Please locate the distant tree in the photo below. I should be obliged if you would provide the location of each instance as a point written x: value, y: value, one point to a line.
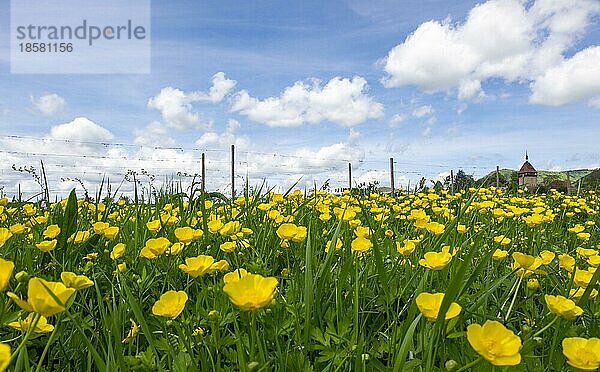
x: 553, y: 182
x: 490, y: 180
x: 462, y: 181
x: 513, y: 184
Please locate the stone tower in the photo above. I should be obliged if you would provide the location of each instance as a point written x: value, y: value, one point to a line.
x: 528, y: 175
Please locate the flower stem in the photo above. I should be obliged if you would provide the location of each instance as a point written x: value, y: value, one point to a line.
x: 546, y: 327
x: 50, y: 340
x: 512, y: 303
x: 466, y: 367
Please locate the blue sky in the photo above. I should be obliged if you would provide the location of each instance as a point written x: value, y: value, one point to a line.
x: 458, y: 93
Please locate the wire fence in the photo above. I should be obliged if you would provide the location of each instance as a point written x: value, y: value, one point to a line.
x: 78, y: 163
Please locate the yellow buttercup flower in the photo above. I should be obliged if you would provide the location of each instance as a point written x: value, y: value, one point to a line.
x: 214, y: 225
x: 175, y: 248
x: 286, y: 231
x: 155, y: 247
x: 577, y: 293
x: 227, y: 247
x: 153, y: 226
x: 435, y: 228
x: 198, y: 266
x: 497, y: 344
x: 170, y: 304
x: 5, y: 234
x: 566, y: 262
x: 583, y: 235
x: 503, y: 240
x: 6, y: 270
x: 133, y: 332
x: 17, y: 229
x: 361, y: 245
x: 547, y: 257
x: 40, y: 299
x: 582, y: 278
x: 251, y: 291
x: 435, y: 260
x: 594, y: 260
x: 230, y: 228
x: 79, y: 237
x: 582, y: 353
x: 525, y: 264
x: 289, y: 231
x: 338, y: 245
x: 4, y: 356
x: 429, y: 305
x: 363, y: 231
x: 221, y: 265
x: 576, y: 229
x: 499, y: 255
x: 407, y: 247
x: 185, y: 234
x: 91, y: 256
x: 110, y: 232
x: 117, y: 251
x: 99, y: 227
x: 533, y: 284
x: 234, y: 275
x: 51, y: 232
x: 562, y: 306
x: 23, y: 325
x: 73, y: 280
x: 46, y: 245
x: 121, y: 268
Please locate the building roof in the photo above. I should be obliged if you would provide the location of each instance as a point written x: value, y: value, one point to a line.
x: 527, y: 168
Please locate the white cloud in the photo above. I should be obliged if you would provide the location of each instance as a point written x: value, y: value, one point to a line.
x: 575, y: 78
x: 222, y: 140
x: 421, y: 111
x: 49, y: 104
x: 469, y: 89
x: 81, y: 129
x: 221, y: 86
x: 154, y: 134
x: 341, y: 100
x: 176, y: 107
x: 396, y: 120
x: 595, y: 102
x: 508, y: 39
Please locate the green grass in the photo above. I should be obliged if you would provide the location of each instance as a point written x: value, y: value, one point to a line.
x: 334, y: 311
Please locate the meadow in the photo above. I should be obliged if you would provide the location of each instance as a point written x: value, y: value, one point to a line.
x: 476, y: 280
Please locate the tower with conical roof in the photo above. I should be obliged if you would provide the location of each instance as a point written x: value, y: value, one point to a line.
x: 528, y: 175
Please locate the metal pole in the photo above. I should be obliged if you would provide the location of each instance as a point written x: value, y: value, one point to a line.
x: 392, y: 176
x: 232, y: 172
x: 203, y: 174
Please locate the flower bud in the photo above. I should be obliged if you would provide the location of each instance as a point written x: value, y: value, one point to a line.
x: 451, y: 365
x: 213, y: 315
x: 22, y: 277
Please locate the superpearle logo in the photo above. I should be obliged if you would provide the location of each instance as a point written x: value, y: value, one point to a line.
x: 87, y: 36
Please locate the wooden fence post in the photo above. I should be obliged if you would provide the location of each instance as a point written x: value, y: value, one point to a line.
x: 232, y: 172
x: 203, y: 174
x: 350, y: 176
x: 392, y: 177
